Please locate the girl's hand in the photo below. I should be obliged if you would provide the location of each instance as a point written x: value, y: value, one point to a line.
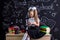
x: 29, y: 24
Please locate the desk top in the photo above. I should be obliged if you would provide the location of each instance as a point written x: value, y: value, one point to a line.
x: 9, y: 34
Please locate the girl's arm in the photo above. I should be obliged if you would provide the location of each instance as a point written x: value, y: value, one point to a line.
x: 28, y: 23
x: 37, y: 23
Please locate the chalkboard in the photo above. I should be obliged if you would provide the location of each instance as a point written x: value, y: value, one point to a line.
x: 15, y: 11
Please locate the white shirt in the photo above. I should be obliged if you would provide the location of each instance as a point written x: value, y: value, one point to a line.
x: 32, y: 20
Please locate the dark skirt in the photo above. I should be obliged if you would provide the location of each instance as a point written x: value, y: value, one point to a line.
x: 34, y: 32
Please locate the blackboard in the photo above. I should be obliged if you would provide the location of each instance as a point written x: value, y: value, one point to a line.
x: 15, y: 11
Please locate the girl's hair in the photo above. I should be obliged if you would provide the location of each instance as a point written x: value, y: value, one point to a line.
x: 35, y: 14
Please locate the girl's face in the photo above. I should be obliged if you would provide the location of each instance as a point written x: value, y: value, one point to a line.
x: 31, y: 14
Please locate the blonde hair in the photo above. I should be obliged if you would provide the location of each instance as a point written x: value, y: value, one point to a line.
x: 35, y: 14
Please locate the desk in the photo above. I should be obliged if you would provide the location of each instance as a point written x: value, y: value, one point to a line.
x: 14, y: 36
x: 19, y: 37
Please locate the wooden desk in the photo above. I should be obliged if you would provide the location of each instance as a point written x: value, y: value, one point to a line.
x: 14, y: 36
x: 19, y: 37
